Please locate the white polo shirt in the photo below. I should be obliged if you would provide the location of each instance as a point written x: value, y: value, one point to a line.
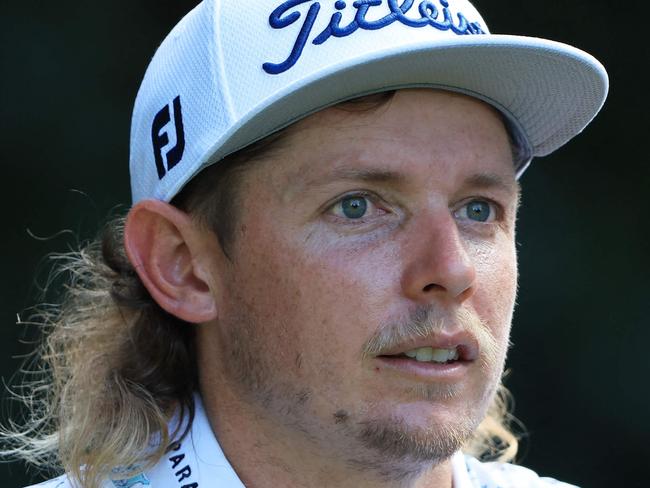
x: 199, y: 462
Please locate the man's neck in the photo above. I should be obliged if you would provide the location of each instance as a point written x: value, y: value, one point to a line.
x: 266, y: 454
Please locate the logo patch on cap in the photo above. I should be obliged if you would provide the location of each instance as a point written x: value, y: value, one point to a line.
x: 431, y: 15
x: 160, y: 138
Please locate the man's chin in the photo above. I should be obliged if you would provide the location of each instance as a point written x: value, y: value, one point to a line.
x: 398, y: 450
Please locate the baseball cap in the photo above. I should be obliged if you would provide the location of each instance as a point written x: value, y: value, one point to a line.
x: 233, y: 72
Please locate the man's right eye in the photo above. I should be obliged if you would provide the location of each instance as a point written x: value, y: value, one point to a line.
x: 357, y: 206
x: 353, y: 207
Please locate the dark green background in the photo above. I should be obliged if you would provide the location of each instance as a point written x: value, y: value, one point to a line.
x: 68, y: 76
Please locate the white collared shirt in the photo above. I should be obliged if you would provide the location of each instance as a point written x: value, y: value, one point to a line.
x: 199, y: 462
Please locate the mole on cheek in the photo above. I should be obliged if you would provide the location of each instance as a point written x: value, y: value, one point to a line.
x: 341, y: 416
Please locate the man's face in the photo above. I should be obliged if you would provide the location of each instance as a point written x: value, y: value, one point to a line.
x: 367, y: 238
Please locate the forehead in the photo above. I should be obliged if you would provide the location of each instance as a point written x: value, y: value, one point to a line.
x: 415, y: 133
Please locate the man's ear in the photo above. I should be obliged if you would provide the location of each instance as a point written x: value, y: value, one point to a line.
x: 167, y: 251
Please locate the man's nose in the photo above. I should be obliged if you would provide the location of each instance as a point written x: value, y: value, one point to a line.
x: 438, y: 266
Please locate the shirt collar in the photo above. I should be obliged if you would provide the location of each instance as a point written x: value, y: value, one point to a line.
x: 197, y: 461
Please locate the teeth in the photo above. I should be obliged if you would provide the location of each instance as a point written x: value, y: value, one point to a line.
x: 424, y: 354
x: 428, y: 354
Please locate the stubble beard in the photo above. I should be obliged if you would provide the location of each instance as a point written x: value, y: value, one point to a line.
x: 386, y: 446
x: 405, y: 451
x: 397, y: 452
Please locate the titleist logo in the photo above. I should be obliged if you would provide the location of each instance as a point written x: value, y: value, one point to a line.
x: 430, y: 14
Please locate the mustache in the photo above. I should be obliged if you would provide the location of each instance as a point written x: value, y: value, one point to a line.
x: 426, y: 321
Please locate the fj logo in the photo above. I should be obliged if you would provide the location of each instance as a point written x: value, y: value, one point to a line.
x: 160, y: 137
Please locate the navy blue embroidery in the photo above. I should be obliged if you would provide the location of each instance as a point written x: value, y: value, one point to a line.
x: 278, y: 22
x: 429, y: 16
x: 160, y: 140
x: 185, y: 473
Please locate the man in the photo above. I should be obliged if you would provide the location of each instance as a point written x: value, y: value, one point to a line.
x: 321, y: 266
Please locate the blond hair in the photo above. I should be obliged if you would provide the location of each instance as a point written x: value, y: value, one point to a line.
x: 110, y: 372
x: 114, y: 368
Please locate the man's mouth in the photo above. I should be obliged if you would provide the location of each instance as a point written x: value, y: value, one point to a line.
x: 429, y: 363
x: 430, y: 355
x: 443, y: 357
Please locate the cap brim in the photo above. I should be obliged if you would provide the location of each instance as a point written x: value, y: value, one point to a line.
x: 549, y: 90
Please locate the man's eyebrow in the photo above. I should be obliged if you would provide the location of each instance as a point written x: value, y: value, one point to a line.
x: 493, y: 180
x: 356, y: 174
x: 372, y: 175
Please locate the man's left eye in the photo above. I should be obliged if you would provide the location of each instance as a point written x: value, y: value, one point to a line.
x: 478, y: 211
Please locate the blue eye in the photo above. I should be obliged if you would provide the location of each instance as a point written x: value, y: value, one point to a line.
x: 354, y: 207
x: 478, y: 210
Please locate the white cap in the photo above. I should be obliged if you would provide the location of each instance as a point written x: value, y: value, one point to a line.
x: 232, y: 72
